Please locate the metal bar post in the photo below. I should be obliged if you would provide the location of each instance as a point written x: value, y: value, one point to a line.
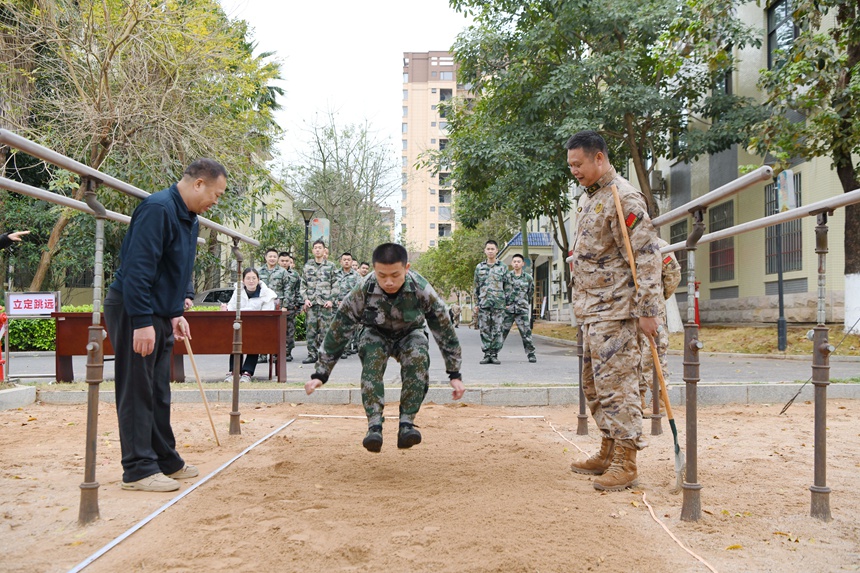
x: 656, y: 416
x: 781, y: 326
x: 691, y: 510
x: 582, y: 417
x: 821, y: 349
x: 235, y: 426
x: 89, y: 506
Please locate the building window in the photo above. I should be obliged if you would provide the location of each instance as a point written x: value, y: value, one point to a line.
x: 403, y: 179
x: 404, y: 144
x: 444, y: 195
x: 443, y: 143
x: 403, y: 211
x: 432, y: 90
x: 432, y: 243
x: 432, y: 225
x: 433, y: 141
x: 405, y: 161
x: 444, y: 213
x: 432, y: 124
x: 444, y: 230
x: 432, y: 191
x: 781, y: 32
x: 678, y: 233
x: 433, y: 107
x: 405, y: 111
x: 405, y: 77
x: 722, y: 252
x: 432, y: 209
x: 443, y: 179
x: 792, y: 234
x: 446, y: 76
x: 433, y: 74
x: 443, y: 125
x: 404, y: 194
x: 403, y: 127
x: 445, y: 95
x: 405, y: 95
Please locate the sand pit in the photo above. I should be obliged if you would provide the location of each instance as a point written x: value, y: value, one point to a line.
x: 483, y: 493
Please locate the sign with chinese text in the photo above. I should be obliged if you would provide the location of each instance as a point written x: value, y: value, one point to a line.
x: 32, y: 304
x: 785, y: 195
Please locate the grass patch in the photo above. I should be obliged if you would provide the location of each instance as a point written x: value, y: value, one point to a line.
x: 742, y: 340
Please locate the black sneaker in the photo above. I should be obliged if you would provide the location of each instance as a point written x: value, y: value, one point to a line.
x: 309, y: 360
x: 494, y: 359
x: 407, y: 436
x: 486, y: 360
x: 373, y: 440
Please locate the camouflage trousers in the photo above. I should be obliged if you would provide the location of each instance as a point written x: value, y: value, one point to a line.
x: 611, y: 370
x: 316, y: 323
x: 490, y: 325
x: 359, y: 330
x: 291, y: 329
x: 523, y: 322
x: 649, y: 377
x: 412, y: 351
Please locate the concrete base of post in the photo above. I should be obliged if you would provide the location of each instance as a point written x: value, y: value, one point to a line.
x: 656, y: 424
x: 820, y: 506
x: 89, y: 508
x: 691, y: 510
x: 582, y: 425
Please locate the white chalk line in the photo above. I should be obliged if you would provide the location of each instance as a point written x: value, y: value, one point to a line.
x: 161, y: 509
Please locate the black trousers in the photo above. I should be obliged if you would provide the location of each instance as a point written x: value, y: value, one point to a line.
x: 249, y: 365
x: 142, y: 395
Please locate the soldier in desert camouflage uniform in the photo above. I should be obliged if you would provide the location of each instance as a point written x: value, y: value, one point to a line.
x: 393, y: 304
x: 317, y: 290
x: 519, y: 307
x: 610, y: 309
x: 291, y: 299
x: 671, y: 275
x: 347, y: 277
x: 492, y: 289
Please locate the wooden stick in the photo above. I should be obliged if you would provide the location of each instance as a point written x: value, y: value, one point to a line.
x: 200, y: 385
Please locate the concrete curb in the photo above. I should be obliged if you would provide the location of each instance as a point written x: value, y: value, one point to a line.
x: 17, y: 397
x: 708, y: 395
x: 801, y: 357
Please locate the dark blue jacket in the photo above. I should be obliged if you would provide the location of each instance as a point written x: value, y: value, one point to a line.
x: 157, y: 258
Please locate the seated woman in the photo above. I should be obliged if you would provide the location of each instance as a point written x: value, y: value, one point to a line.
x: 254, y: 296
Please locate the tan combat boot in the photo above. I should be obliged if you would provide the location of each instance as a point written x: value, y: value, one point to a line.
x: 621, y: 474
x: 599, y: 462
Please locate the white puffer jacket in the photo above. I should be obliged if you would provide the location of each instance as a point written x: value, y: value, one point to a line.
x: 266, y: 300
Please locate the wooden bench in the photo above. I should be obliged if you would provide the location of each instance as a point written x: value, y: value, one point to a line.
x: 263, y: 332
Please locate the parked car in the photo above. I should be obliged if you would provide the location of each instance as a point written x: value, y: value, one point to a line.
x: 213, y: 297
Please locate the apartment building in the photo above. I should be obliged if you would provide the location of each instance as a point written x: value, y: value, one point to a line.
x: 427, y: 199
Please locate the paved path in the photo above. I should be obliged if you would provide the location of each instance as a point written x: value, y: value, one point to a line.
x: 557, y: 365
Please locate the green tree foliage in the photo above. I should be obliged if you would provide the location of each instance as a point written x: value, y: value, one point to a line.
x: 645, y: 76
x: 814, y: 95
x: 450, y: 266
x: 140, y: 89
x: 345, y: 175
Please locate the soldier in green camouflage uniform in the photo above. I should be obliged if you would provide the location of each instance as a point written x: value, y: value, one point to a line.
x: 394, y: 304
x: 291, y: 299
x: 272, y: 274
x: 347, y: 278
x: 671, y: 274
x: 492, y: 290
x: 317, y: 290
x: 519, y: 306
x: 610, y: 309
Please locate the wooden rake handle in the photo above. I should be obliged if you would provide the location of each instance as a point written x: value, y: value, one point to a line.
x: 200, y: 385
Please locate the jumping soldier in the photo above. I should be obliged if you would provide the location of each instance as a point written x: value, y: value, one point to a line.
x: 394, y: 304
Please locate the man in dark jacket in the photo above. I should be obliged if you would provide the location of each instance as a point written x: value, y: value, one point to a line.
x: 143, y: 314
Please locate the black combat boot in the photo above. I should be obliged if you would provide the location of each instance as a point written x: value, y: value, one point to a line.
x: 373, y: 440
x: 407, y: 436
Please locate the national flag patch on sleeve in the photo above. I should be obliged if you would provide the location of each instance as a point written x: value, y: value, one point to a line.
x: 633, y: 220
x: 667, y: 260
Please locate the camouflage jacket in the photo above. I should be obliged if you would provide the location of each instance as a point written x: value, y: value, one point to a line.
x: 415, y: 305
x: 345, y: 283
x: 291, y: 296
x: 603, y: 287
x: 671, y: 270
x: 273, y: 278
x: 492, y: 285
x: 522, y: 292
x: 319, y: 282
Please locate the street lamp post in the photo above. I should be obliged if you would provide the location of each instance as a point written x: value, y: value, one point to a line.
x: 307, y: 214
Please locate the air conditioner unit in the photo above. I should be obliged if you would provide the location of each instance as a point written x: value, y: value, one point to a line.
x: 658, y: 184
